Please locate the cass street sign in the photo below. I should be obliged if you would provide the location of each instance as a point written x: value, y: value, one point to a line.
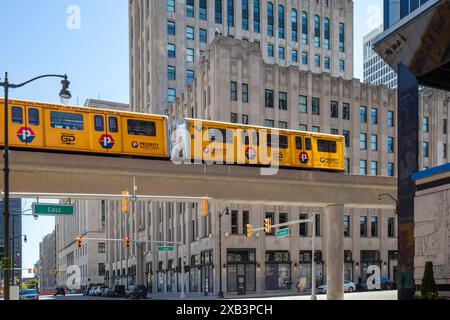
x: 52, y: 209
x: 165, y: 248
x: 282, y: 233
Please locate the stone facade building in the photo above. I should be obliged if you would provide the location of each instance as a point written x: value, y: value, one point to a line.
x: 47, y: 258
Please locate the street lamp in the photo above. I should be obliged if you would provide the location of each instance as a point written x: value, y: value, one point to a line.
x: 64, y: 94
x: 227, y: 212
x: 381, y: 195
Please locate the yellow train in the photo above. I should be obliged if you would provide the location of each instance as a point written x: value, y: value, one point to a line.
x: 54, y: 127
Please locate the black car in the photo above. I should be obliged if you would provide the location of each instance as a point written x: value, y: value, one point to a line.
x: 136, y: 292
x: 59, y: 291
x: 118, y: 291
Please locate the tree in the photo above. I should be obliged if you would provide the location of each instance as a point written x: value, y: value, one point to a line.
x: 428, y: 286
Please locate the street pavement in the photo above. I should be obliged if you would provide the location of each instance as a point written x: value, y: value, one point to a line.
x: 372, y: 295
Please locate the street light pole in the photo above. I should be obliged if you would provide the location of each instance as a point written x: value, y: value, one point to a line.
x: 65, y: 94
x: 313, y: 260
x: 226, y: 211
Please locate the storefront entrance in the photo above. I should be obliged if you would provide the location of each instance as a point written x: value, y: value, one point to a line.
x: 241, y: 271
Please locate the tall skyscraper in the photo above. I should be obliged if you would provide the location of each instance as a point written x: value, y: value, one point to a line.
x: 168, y: 37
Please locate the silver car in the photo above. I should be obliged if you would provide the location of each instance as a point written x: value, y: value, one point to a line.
x: 29, y: 294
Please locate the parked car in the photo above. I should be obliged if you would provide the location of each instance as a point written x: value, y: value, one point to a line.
x: 118, y: 291
x: 136, y: 292
x: 29, y: 294
x: 102, y: 290
x: 348, y: 287
x: 59, y: 291
x: 107, y: 292
x: 387, y: 284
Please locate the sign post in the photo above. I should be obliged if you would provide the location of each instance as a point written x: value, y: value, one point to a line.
x: 282, y: 233
x: 165, y: 248
x: 52, y: 209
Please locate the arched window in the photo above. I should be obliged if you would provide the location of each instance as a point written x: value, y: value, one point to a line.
x: 270, y: 19
x: 326, y: 36
x: 317, y: 31
x: 304, y: 27
x: 280, y: 21
x: 294, y: 22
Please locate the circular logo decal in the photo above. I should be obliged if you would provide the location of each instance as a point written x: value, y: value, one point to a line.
x: 303, y: 157
x: 26, y: 135
x: 322, y: 160
x: 135, y: 144
x: 106, y: 141
x: 250, y: 153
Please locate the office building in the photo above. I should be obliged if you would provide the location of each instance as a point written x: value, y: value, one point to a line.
x: 47, y: 261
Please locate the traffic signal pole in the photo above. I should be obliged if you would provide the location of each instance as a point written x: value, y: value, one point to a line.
x: 313, y: 259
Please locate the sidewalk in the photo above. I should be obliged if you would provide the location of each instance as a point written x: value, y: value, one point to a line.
x: 200, y: 296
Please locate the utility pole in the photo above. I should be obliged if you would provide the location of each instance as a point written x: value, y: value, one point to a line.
x: 313, y: 262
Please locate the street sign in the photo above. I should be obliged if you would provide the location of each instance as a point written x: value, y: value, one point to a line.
x: 52, y: 209
x: 282, y: 233
x: 166, y: 248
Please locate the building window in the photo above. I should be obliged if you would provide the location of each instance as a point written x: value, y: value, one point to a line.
x: 234, y: 118
x: 391, y: 227
x: 270, y: 50
x: 317, y: 61
x: 341, y: 37
x: 425, y: 151
x: 294, y: 25
x: 171, y: 5
x: 294, y: 56
x: 171, y: 93
x: 245, y: 119
x: 316, y: 31
x: 101, y: 269
x: 363, y: 226
x: 281, y: 53
x: 281, y: 21
x: 269, y: 123
x: 282, y: 218
x: 334, y: 131
x: 346, y: 111
x: 341, y: 66
x: 316, y: 106
x: 374, y: 226
x: 390, y: 119
x: 374, y: 168
x: 245, y: 93
x: 326, y: 37
x: 218, y: 11
x: 171, y: 28
x: 270, y: 19
x: 190, y: 75
x: 256, y: 16
x: 326, y: 63
x: 234, y: 222
x: 203, y: 13
x: 230, y: 12
x: 203, y: 36
x: 363, y: 167
x: 346, y: 135
x: 171, y: 73
x: 363, y: 114
x: 425, y: 127
x: 245, y: 221
x: 444, y: 129
x: 245, y: 14
x: 233, y: 91
x: 101, y: 247
x: 390, y: 170
x: 302, y: 104
x: 282, y: 125
x: 374, y: 115
x: 304, y: 58
x: 444, y: 150
x: 171, y: 53
x: 189, y: 33
x: 304, y: 27
x: 363, y: 141
x: 346, y: 226
x: 316, y: 129
x: 334, y: 109
x: 282, y: 101
x: 390, y: 146
x: 373, y: 142
x: 318, y: 225
x: 269, y: 98
x: 190, y: 55
x: 347, y: 165
x: 302, y: 127
x: 303, y: 227
x: 190, y: 8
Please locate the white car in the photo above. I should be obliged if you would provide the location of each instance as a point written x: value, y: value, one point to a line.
x: 348, y: 287
x: 29, y: 294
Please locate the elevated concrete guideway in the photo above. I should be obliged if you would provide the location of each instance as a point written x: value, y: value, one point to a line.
x: 65, y: 173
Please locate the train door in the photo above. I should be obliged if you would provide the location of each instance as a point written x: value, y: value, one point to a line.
x: 100, y: 141
x: 114, y: 133
x: 247, y: 146
x: 301, y: 156
x: 25, y: 126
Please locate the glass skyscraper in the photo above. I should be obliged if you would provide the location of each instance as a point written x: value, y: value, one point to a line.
x: 394, y: 10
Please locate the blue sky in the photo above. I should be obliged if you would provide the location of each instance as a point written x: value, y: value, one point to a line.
x: 46, y: 36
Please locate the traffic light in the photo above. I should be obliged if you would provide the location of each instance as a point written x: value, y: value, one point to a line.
x: 34, y: 270
x: 267, y: 225
x: 124, y: 202
x: 127, y: 241
x: 30, y: 270
x: 249, y: 231
x: 78, y: 241
x: 204, y: 208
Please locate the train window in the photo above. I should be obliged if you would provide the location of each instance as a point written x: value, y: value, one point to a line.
x: 220, y: 135
x: 283, y: 142
x: 99, y: 123
x: 308, y: 144
x: 17, y: 115
x: 141, y: 128
x: 298, y: 143
x: 246, y: 138
x: 326, y: 146
x: 68, y: 121
x: 113, y: 125
x: 33, y: 116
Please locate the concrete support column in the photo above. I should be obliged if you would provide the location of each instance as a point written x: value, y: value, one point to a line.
x: 334, y: 229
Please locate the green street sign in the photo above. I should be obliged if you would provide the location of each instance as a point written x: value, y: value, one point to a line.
x: 282, y: 233
x: 166, y: 248
x: 52, y: 209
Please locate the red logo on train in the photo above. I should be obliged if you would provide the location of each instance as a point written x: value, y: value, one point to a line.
x: 26, y: 135
x: 250, y: 153
x: 106, y: 141
x: 304, y: 158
